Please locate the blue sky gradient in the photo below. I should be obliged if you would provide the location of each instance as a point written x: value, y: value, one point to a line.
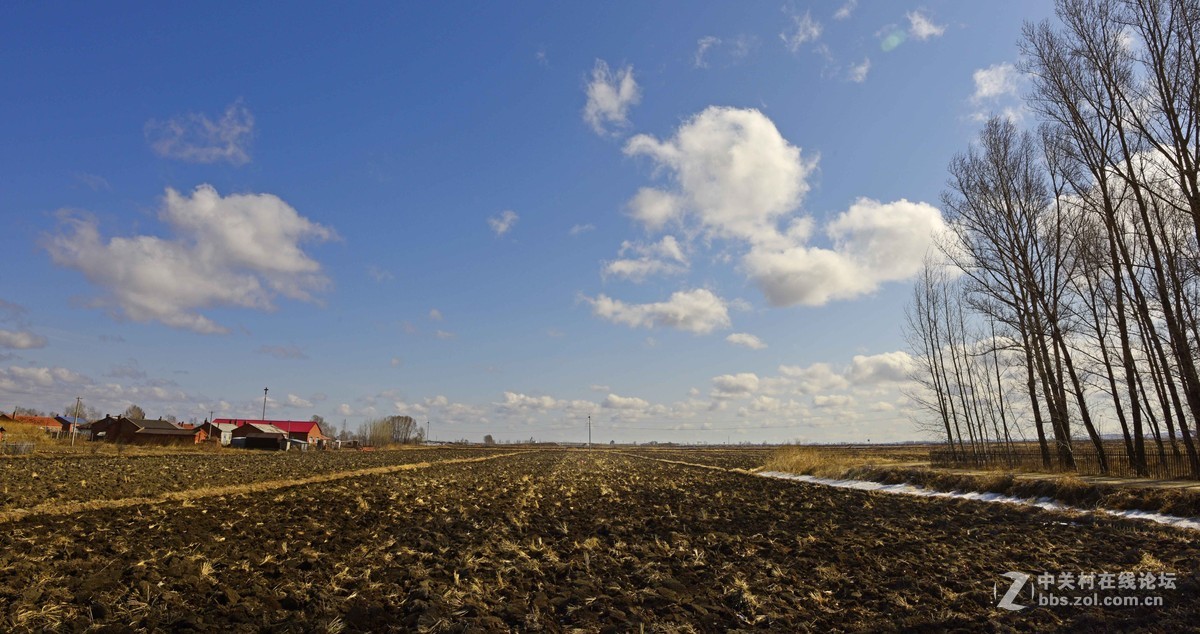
x: 401, y: 130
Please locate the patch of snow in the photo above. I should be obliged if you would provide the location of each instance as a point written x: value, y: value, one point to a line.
x: 1042, y: 503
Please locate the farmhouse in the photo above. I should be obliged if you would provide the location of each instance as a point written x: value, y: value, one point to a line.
x: 258, y: 435
x: 305, y: 431
x: 221, y: 432
x: 144, y: 432
x: 44, y: 423
x: 69, y: 424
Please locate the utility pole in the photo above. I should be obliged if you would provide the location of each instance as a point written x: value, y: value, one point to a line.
x: 589, y: 431
x: 264, y: 416
x: 426, y: 431
x: 75, y: 423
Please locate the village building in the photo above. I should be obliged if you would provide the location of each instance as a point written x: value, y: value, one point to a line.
x: 219, y: 432
x: 72, y: 424
x: 139, y: 431
x: 299, y: 431
x: 258, y: 435
x: 44, y: 423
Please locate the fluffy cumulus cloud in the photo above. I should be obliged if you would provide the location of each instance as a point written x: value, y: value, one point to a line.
x: 923, y: 28
x: 733, y: 173
x: 613, y: 401
x: 241, y: 250
x: 872, y: 243
x: 888, y: 367
x: 732, y: 177
x: 294, y: 401
x: 811, y: 379
x: 503, y: 222
x: 637, y: 261
x: 994, y: 81
x: 195, y: 138
x: 735, y: 384
x: 699, y: 311
x: 609, y: 97
x: 21, y: 339
x: 746, y: 340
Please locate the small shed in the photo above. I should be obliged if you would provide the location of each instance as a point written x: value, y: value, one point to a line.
x: 259, y: 436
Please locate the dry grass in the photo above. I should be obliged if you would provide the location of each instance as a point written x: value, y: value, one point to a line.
x: 827, y: 462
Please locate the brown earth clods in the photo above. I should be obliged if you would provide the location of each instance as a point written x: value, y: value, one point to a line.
x: 571, y: 541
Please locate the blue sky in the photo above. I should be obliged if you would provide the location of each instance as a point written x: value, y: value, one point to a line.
x: 692, y: 222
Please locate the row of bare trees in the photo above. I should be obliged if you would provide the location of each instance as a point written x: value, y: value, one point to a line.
x: 391, y: 430
x: 1064, y: 297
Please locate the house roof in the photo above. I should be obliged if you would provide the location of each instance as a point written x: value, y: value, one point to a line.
x: 40, y: 421
x: 156, y: 424
x: 265, y: 429
x: 288, y: 426
x: 71, y: 420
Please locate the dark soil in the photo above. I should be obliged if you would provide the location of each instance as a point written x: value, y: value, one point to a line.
x: 37, y: 480
x: 571, y: 540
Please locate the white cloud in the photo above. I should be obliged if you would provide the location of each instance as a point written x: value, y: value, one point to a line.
x: 397, y: 362
x: 444, y: 335
x: 858, y: 72
x: 435, y: 314
x: 734, y: 173
x: 735, y: 384
x: 599, y: 388
x: 240, y: 250
x: 818, y: 377
x: 195, y: 138
x: 664, y: 257
x: 503, y: 222
x: 296, y: 401
x: 654, y: 208
x: 888, y: 367
x: 26, y: 380
x: 609, y: 97
x: 922, y: 28
x: 997, y: 91
x: 702, y: 46
x: 835, y: 400
x: 804, y: 29
x: 846, y: 10
x: 699, y: 311
x: 735, y: 177
x: 747, y: 340
x: 612, y: 401
x: 581, y: 229
x: 21, y: 340
x: 997, y: 80
x: 517, y: 401
x: 873, y: 243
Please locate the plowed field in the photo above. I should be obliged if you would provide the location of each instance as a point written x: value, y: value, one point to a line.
x: 568, y: 541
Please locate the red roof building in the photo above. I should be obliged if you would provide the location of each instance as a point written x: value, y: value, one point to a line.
x: 303, y: 430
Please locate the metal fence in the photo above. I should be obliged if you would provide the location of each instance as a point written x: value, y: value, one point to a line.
x: 1172, y: 466
x: 16, y: 448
